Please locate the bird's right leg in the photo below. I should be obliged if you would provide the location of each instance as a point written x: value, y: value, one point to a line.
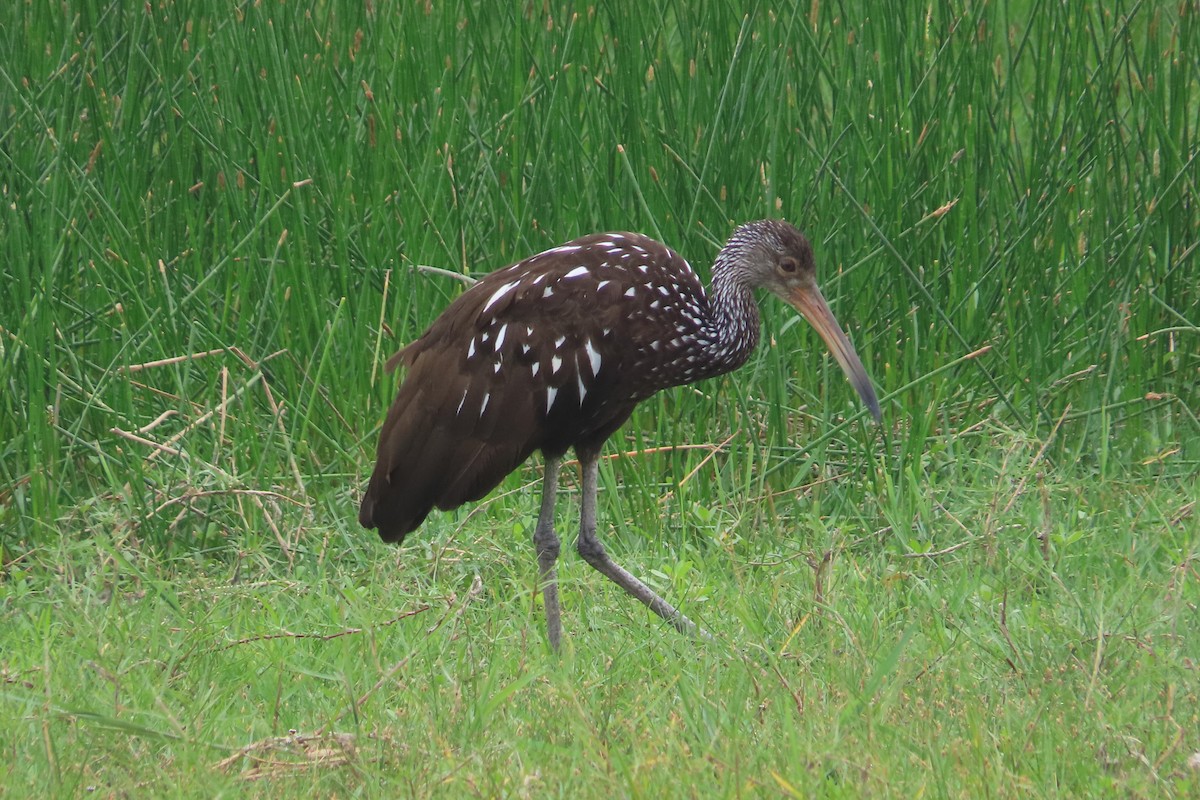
x: 546, y: 542
x: 593, y: 552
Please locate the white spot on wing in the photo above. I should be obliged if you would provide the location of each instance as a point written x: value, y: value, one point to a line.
x: 471, y: 349
x: 534, y: 368
x: 499, y: 293
x: 486, y: 397
x: 593, y: 356
x: 500, y: 337
x: 559, y: 342
x: 550, y: 393
x: 462, y: 402
x: 630, y: 292
x: 578, y: 272
x: 555, y: 363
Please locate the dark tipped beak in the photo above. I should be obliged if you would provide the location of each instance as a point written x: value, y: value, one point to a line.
x: 809, y: 302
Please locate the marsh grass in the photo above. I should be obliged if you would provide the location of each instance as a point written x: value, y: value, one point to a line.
x: 214, y: 224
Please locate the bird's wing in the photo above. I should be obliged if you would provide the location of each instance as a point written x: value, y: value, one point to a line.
x: 473, y: 403
x: 534, y: 356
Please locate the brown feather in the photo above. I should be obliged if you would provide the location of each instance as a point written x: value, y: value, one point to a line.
x: 471, y: 408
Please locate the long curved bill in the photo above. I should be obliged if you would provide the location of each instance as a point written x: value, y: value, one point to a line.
x: 811, y: 304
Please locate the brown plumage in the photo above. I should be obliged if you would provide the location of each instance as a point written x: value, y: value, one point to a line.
x: 555, y: 352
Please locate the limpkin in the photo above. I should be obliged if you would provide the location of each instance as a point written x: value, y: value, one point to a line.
x: 554, y: 352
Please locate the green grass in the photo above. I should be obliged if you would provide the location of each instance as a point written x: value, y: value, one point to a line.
x: 210, y: 225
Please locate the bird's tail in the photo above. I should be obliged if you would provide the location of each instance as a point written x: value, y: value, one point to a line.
x: 384, y: 510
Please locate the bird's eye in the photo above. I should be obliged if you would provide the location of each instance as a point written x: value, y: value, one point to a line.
x: 789, y: 264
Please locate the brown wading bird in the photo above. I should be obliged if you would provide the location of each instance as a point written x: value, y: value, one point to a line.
x: 554, y: 352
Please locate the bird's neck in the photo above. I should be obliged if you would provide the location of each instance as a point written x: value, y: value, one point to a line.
x: 733, y: 316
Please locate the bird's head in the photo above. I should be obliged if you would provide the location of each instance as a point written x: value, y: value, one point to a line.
x: 774, y: 255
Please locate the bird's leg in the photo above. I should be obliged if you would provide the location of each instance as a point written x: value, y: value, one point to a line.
x: 593, y: 552
x: 546, y: 542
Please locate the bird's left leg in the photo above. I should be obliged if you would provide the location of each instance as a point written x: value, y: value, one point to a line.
x: 593, y: 552
x: 545, y: 541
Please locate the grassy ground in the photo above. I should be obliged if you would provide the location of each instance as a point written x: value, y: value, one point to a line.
x: 211, y: 225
